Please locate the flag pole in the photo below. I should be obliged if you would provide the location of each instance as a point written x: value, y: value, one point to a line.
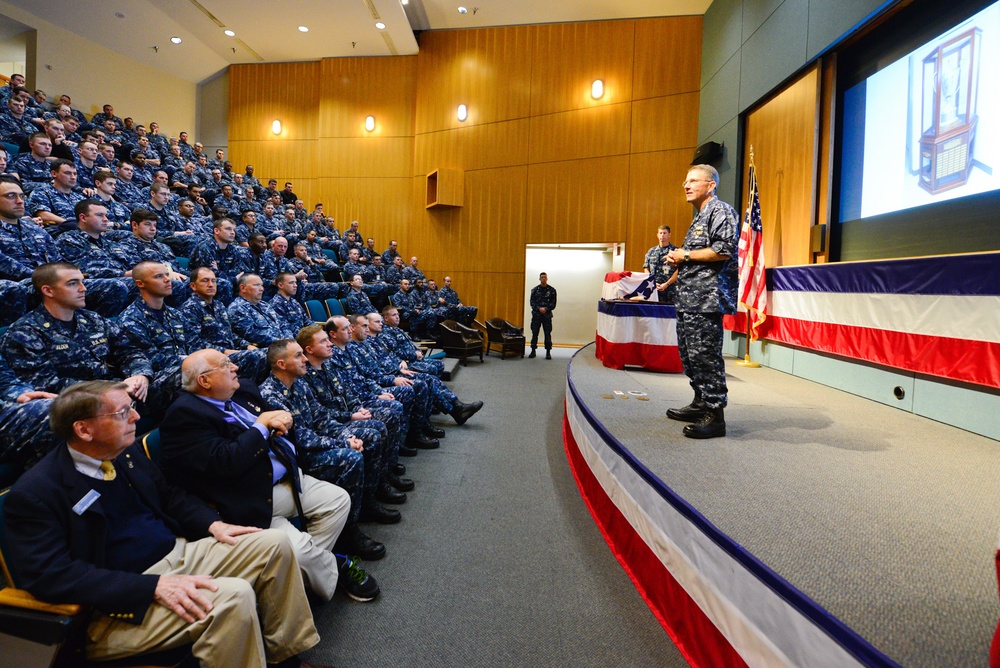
x: 746, y: 362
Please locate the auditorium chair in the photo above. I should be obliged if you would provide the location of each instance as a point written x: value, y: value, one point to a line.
x: 501, y: 333
x: 457, y: 340
x: 316, y: 310
x: 334, y: 306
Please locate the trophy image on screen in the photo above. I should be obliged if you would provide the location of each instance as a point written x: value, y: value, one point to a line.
x: 948, y: 115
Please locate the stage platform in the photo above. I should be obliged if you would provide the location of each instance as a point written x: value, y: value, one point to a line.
x: 824, y: 530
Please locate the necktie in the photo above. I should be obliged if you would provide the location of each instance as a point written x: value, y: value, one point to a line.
x: 277, y: 446
x: 108, y: 469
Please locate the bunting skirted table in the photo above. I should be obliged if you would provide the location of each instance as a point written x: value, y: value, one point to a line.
x: 637, y: 333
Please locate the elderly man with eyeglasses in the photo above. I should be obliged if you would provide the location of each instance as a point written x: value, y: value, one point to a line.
x: 96, y: 523
x: 223, y: 442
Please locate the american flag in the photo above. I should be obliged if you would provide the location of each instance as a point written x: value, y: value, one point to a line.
x: 753, y: 289
x: 644, y: 289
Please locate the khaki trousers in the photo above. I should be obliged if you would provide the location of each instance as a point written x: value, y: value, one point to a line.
x: 259, y: 571
x: 326, y: 508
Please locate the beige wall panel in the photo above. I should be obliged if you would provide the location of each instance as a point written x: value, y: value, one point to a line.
x: 582, y: 133
x: 783, y: 135
x: 569, y: 56
x: 366, y: 157
x: 665, y: 123
x: 489, y: 70
x: 656, y: 198
x: 577, y: 201
x: 485, y: 234
x: 353, y: 88
x: 667, y: 56
x: 258, y: 95
x: 381, y: 206
x: 475, y: 147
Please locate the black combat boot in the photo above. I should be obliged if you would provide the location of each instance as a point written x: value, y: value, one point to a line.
x: 693, y: 412
x: 711, y: 425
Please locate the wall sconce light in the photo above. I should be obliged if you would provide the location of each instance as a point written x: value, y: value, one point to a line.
x: 597, y: 89
x: 370, y: 123
x: 276, y: 126
x: 463, y: 113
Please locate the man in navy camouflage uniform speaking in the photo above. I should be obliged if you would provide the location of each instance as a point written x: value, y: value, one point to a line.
x: 706, y: 289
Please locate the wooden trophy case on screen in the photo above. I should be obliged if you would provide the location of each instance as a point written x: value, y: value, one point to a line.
x: 948, y: 118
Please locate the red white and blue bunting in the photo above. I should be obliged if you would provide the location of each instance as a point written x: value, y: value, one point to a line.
x: 720, y: 605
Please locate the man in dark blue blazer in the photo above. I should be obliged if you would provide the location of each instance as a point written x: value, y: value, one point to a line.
x: 221, y: 443
x: 96, y: 523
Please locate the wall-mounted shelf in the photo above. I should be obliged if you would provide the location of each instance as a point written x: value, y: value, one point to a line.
x: 445, y: 187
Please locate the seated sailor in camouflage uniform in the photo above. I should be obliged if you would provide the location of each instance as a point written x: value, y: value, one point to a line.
x: 302, y: 262
x: 341, y: 458
x: 402, y: 345
x: 224, y: 257
x: 411, y: 306
x: 59, y: 343
x: 290, y: 311
x: 357, y: 301
x: 24, y: 246
x: 25, y: 436
x: 391, y: 381
x: 142, y: 246
x: 415, y: 426
x: 464, y: 314
x: 341, y: 405
x: 251, y: 318
x: 444, y: 400
x: 150, y: 325
x: 206, y: 325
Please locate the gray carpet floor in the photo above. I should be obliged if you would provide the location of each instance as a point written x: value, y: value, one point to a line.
x: 497, y: 561
x: 886, y: 519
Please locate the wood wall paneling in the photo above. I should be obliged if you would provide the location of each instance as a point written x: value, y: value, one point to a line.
x: 824, y: 176
x: 577, y: 201
x: 353, y: 88
x: 488, y: 70
x: 486, y: 234
x: 370, y: 157
x: 543, y: 162
x: 381, y: 206
x: 656, y: 198
x: 667, y: 56
x: 569, y: 56
x: 784, y: 139
x: 665, y: 123
x: 259, y: 94
x: 581, y: 133
x: 502, y: 144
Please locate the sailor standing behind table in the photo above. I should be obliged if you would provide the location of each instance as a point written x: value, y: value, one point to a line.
x: 657, y: 263
x: 543, y: 302
x: 706, y: 289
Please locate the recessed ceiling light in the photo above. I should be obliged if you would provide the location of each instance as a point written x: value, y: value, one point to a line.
x: 175, y: 40
x: 404, y: 2
x: 229, y: 33
x: 303, y: 29
x: 380, y: 25
x: 463, y: 10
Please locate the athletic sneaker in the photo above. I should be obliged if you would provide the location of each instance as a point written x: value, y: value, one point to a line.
x: 355, y: 580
